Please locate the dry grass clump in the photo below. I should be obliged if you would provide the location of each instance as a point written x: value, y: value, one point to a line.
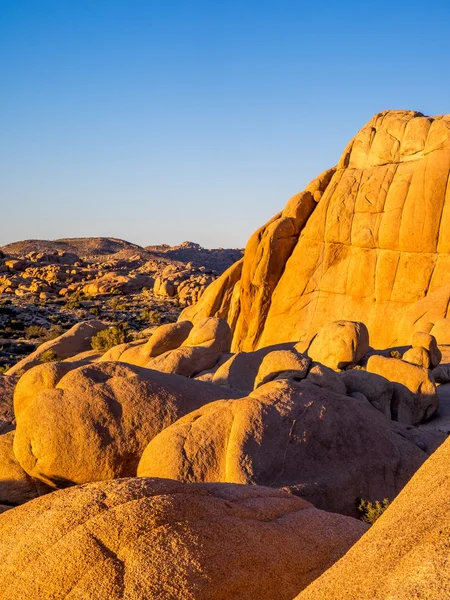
x: 371, y: 511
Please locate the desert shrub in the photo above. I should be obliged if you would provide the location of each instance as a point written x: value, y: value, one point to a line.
x: 4, y: 368
x: 116, y: 304
x: 54, y: 332
x: 151, y: 316
x: 371, y: 511
x: 395, y: 354
x: 35, y: 332
x: 108, y: 338
x: 76, y: 298
x: 49, y: 356
x: 94, y: 311
x: 74, y: 301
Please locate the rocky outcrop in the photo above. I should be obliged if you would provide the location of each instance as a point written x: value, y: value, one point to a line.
x: 367, y: 241
x: 201, y: 350
x: 76, y: 340
x: 405, y: 554
x: 328, y: 448
x: 16, y: 487
x: 415, y: 397
x: 340, y: 344
x: 164, y: 339
x: 155, y: 539
x: 93, y: 422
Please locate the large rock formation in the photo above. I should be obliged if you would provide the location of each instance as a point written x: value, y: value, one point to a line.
x: 366, y: 241
x: 93, y: 422
x: 162, y: 540
x: 329, y: 448
x: 405, y: 554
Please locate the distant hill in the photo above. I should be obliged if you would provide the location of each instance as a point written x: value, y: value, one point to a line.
x: 100, y: 249
x: 85, y: 248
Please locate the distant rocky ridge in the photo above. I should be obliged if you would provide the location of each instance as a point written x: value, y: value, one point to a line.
x: 54, y: 284
x: 105, y: 265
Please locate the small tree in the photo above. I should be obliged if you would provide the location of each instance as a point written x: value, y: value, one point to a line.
x: 49, y: 356
x: 108, y: 338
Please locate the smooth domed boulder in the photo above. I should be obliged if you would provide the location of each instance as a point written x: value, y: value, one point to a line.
x: 373, y: 247
x: 39, y: 378
x: 116, y: 352
x: 330, y: 449
x: 151, y: 539
x: 72, y: 342
x: 377, y: 389
x: 326, y: 378
x: 240, y: 370
x: 95, y: 421
x: 287, y: 364
x: 340, y: 344
x: 405, y: 553
x: 408, y: 378
x: 201, y: 350
x: 16, y: 487
x: 418, y: 356
x: 165, y: 338
x: 428, y: 343
x: 7, y: 385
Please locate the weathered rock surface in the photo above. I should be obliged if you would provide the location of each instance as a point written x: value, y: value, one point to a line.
x: 240, y: 370
x: 405, y: 553
x: 377, y: 389
x: 373, y: 246
x: 285, y: 364
x: 427, y: 342
x: 16, y: 487
x: 340, y: 344
x: 330, y: 449
x: 165, y: 338
x: 93, y: 422
x: 422, y: 401
x: 153, y: 539
x: 201, y: 350
x: 7, y: 385
x: 76, y: 340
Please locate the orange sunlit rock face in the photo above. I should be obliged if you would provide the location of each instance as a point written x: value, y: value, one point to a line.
x: 372, y: 247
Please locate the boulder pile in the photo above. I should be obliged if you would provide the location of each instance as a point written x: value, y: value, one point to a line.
x: 231, y: 454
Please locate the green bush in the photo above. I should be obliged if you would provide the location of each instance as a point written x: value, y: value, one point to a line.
x: 116, y: 304
x: 371, y: 511
x: 94, y: 311
x: 49, y: 356
x: 151, y: 316
x: 76, y: 298
x: 34, y: 332
x: 395, y: 354
x: 108, y: 338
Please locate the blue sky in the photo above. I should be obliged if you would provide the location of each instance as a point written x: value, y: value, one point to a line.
x: 164, y: 121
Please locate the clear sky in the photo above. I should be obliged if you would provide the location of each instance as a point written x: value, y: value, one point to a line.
x: 160, y: 121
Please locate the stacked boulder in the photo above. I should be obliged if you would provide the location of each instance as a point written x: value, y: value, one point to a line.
x: 188, y: 283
